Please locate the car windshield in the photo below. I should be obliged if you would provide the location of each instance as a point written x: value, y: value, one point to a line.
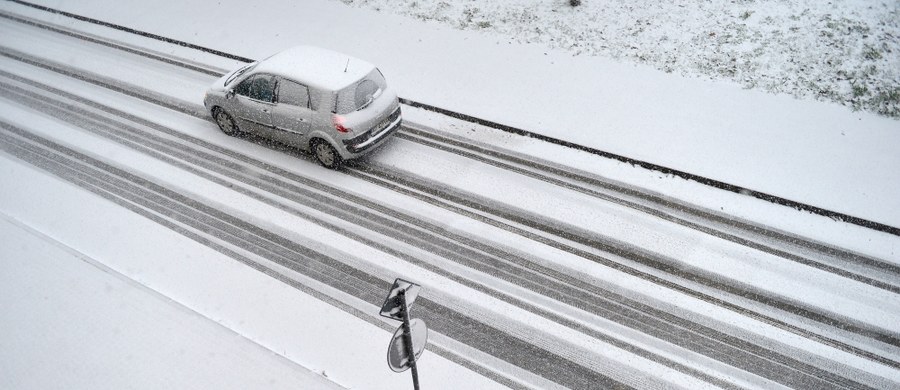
x: 359, y: 94
x: 239, y: 72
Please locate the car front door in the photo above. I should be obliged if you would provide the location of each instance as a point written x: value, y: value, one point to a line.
x: 292, y: 113
x: 255, y: 98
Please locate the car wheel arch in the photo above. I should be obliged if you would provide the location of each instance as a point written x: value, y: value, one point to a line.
x: 335, y: 160
x: 234, y: 130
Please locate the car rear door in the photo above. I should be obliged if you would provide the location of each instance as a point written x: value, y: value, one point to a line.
x: 292, y: 114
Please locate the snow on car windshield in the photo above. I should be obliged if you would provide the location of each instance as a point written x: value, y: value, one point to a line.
x: 358, y: 95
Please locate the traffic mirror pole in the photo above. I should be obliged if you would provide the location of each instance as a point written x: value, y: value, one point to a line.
x: 411, y: 337
x: 407, y: 339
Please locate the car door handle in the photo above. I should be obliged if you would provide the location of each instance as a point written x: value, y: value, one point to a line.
x: 265, y: 110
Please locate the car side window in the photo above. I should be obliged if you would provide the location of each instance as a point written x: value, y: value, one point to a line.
x: 293, y: 93
x: 259, y: 87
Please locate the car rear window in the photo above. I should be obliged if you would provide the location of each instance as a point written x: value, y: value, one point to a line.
x: 357, y: 95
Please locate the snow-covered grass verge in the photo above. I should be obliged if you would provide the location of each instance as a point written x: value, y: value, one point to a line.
x: 845, y: 52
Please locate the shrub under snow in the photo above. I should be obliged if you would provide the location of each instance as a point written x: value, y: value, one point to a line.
x: 842, y: 51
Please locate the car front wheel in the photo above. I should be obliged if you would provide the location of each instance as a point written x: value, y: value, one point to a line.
x: 226, y: 122
x: 325, y: 153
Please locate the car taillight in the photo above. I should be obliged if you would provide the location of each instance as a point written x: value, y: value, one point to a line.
x: 338, y: 122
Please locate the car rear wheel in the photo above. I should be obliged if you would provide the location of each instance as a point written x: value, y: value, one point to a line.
x: 325, y: 153
x: 226, y: 122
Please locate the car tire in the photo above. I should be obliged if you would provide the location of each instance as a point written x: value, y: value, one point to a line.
x: 226, y: 122
x: 326, y: 154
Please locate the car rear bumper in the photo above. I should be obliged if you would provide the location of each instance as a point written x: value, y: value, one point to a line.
x: 371, y: 139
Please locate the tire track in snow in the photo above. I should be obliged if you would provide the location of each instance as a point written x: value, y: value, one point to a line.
x: 789, y: 246
x: 172, y: 208
x: 133, y: 95
x: 753, y: 235
x: 510, y: 218
x: 663, y: 265
x: 509, y: 129
x: 213, y: 161
x: 786, y: 245
x: 195, y: 158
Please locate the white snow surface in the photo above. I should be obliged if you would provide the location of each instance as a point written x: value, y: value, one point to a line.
x: 191, y: 289
x: 818, y: 153
x: 815, y: 152
x: 65, y: 312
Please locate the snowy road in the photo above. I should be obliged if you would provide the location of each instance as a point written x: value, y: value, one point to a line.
x: 553, y: 277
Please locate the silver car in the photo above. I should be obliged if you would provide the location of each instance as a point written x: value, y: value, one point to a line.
x: 336, y: 106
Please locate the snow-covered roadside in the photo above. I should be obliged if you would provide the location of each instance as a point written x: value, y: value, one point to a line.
x: 818, y: 153
x: 67, y: 313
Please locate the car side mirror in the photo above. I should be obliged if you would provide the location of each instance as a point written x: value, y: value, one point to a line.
x: 229, y: 94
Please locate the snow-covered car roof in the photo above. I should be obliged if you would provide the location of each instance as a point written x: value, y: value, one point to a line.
x: 316, y: 67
